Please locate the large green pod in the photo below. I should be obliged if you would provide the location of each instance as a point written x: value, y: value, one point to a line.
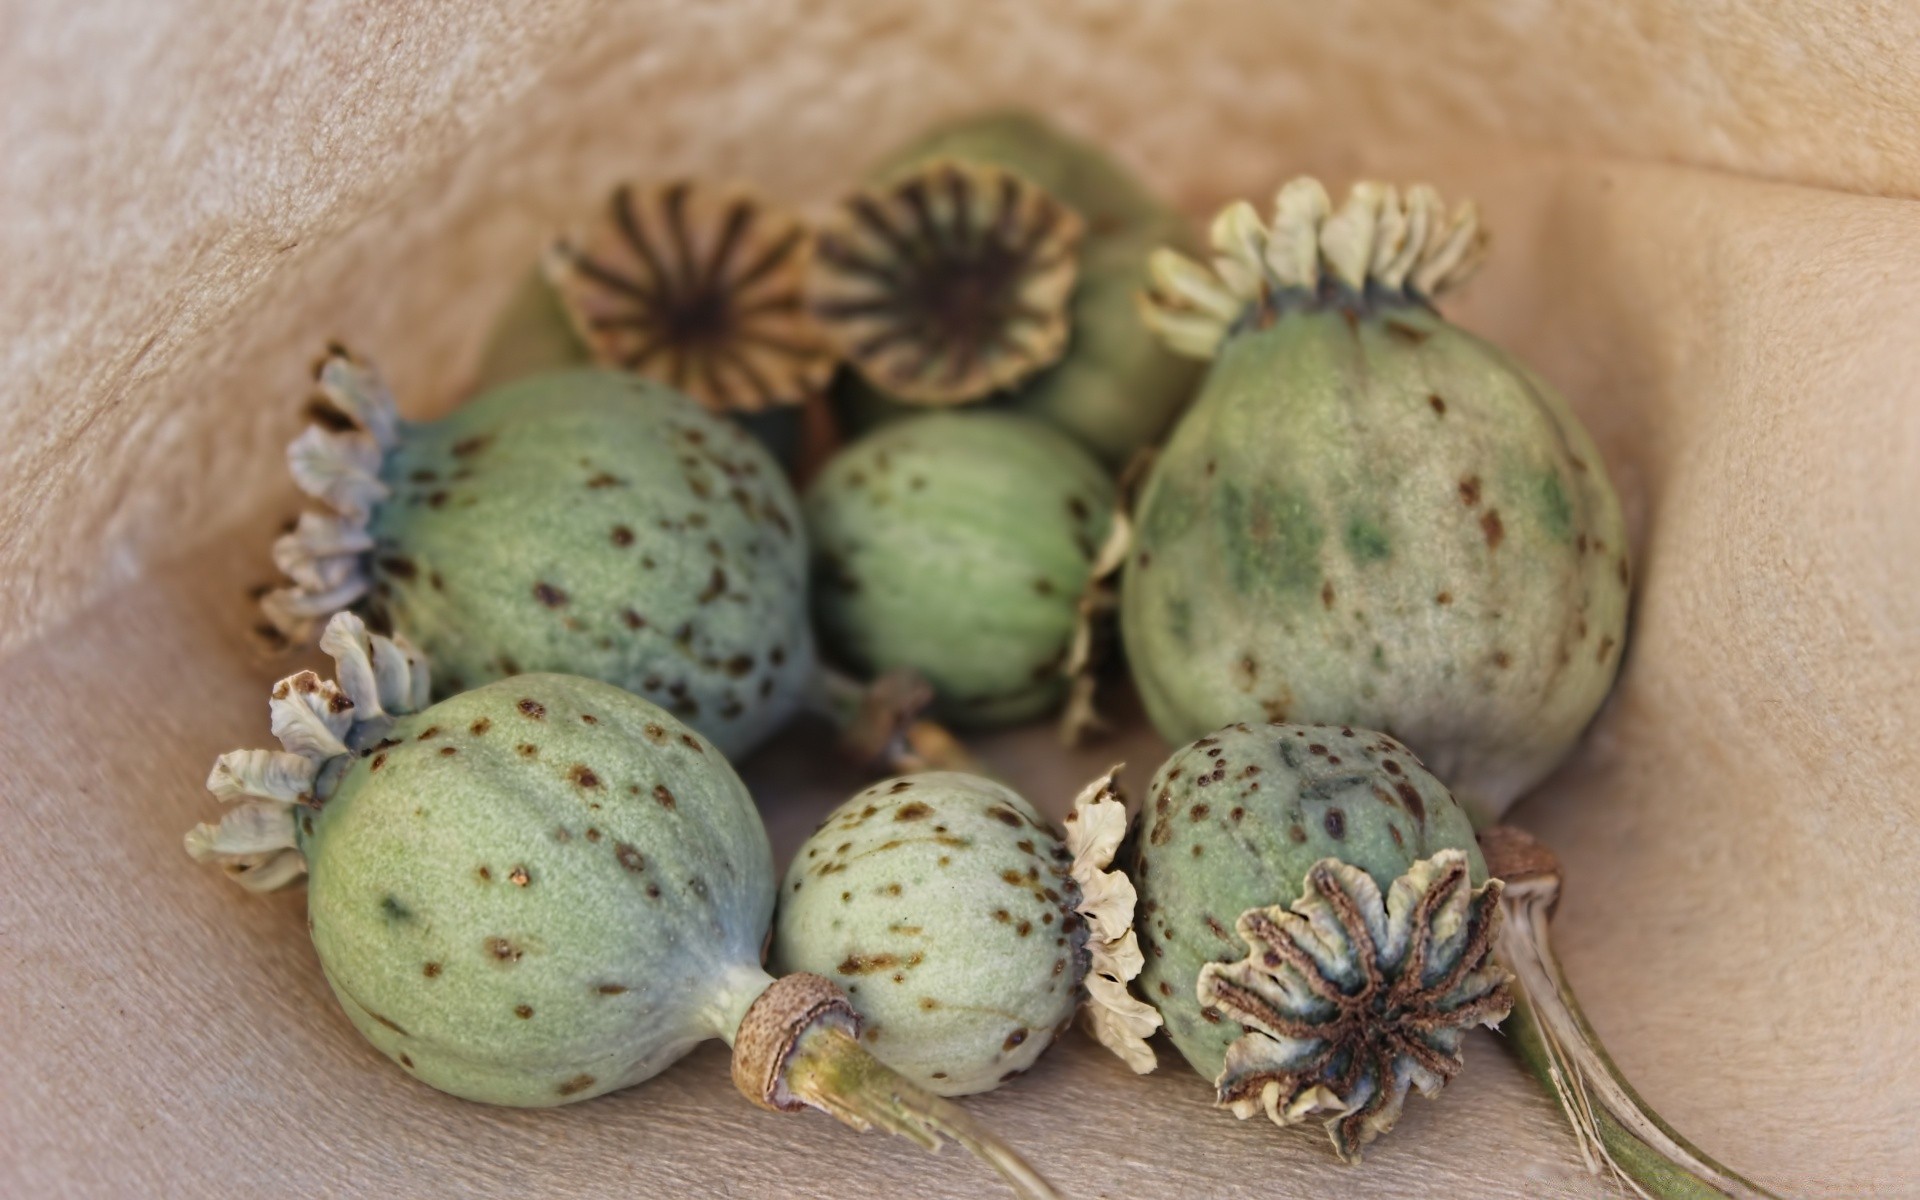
x: 542, y: 889
x: 1370, y: 516
x: 958, y: 545
x: 586, y: 522
x: 1316, y: 922
x: 1113, y: 388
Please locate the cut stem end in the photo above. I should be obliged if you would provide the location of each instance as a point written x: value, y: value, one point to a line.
x: 799, y: 1047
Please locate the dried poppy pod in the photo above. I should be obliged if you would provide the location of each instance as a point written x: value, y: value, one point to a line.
x: 948, y: 283
x: 698, y: 287
x: 1317, y: 924
x: 1113, y: 390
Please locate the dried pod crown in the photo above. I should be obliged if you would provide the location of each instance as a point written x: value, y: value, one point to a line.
x: 947, y: 284
x: 1381, y: 247
x: 336, y: 461
x: 700, y: 288
x: 323, y: 725
x: 1349, y: 997
x: 1119, y: 1020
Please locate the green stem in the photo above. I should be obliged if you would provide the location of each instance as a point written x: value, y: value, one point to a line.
x: 1618, y: 1132
x: 830, y: 1071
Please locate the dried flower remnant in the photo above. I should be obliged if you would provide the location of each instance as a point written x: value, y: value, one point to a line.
x: 1111, y: 389
x: 1349, y: 998
x: 1119, y: 1020
x: 948, y: 283
x: 322, y: 726
x: 700, y: 288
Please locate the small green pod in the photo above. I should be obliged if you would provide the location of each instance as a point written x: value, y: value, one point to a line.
x: 964, y: 930
x: 1113, y: 389
x: 584, y: 522
x: 1366, y: 984
x: 1370, y: 516
x: 942, y: 904
x: 958, y: 545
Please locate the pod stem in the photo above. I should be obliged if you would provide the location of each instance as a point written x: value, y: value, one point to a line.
x: 1618, y: 1132
x: 884, y: 722
x: 799, y: 1047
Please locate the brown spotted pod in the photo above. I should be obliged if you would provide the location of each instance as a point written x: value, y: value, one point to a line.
x: 541, y: 890
x: 529, y: 893
x: 961, y: 927
x: 1369, y: 515
x: 584, y: 522
x: 1317, y: 923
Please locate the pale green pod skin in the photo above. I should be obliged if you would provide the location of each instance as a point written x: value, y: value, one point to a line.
x: 1116, y: 389
x: 532, y: 335
x: 1235, y: 820
x: 596, y: 524
x: 540, y: 890
x: 957, y: 545
x: 941, y: 904
x: 1381, y: 520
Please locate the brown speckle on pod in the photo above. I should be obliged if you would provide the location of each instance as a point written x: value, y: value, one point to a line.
x: 1491, y: 527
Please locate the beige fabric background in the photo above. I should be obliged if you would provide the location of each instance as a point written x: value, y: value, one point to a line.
x: 1706, y: 233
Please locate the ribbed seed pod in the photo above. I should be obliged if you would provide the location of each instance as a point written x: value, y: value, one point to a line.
x: 1111, y: 388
